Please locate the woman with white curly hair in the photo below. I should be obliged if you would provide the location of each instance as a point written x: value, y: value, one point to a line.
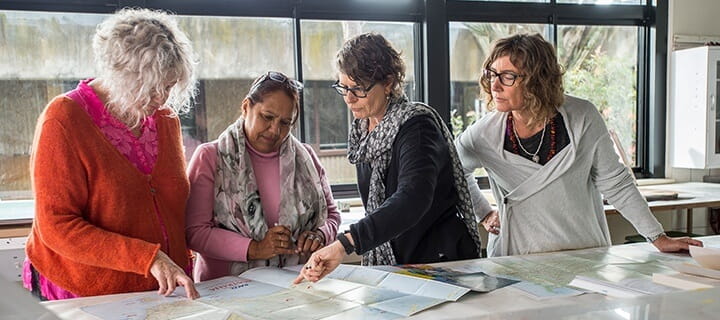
x: 108, y: 168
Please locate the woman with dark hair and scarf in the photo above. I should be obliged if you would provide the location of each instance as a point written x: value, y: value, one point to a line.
x: 258, y: 196
x: 418, y: 209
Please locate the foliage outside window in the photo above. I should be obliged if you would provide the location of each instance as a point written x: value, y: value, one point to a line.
x: 600, y: 63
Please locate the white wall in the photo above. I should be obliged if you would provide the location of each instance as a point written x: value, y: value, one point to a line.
x: 690, y: 18
x: 694, y: 17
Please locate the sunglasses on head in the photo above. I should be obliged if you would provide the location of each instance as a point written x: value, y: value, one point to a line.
x: 277, y: 77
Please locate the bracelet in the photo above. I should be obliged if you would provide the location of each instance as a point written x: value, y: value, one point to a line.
x: 349, y: 248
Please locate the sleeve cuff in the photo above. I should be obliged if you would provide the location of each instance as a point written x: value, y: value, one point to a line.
x: 149, y: 265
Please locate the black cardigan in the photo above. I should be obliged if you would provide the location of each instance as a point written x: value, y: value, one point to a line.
x: 419, y: 215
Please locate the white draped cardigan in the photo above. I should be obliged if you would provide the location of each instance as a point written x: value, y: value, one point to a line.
x: 557, y: 206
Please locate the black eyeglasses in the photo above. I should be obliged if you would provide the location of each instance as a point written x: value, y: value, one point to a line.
x: 278, y: 77
x: 506, y: 78
x: 358, y: 92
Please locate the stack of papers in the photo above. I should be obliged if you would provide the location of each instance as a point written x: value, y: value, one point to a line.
x: 694, y: 269
x: 690, y: 276
x: 706, y: 257
x: 623, y: 281
x: 607, y: 288
x: 685, y: 281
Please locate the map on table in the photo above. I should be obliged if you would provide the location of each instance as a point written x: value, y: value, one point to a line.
x: 268, y: 293
x: 476, y: 281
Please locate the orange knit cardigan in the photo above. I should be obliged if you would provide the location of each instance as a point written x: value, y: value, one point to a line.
x: 96, y: 230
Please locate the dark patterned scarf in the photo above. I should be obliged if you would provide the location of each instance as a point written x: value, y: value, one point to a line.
x: 375, y: 148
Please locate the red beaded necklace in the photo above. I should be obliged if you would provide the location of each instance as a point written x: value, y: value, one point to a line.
x: 513, y: 139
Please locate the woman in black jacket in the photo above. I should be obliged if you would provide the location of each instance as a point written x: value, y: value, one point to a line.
x: 418, y: 209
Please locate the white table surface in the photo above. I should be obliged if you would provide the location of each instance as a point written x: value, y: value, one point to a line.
x: 510, y: 303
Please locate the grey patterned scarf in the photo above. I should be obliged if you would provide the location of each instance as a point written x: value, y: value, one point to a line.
x: 375, y: 148
x: 237, y: 200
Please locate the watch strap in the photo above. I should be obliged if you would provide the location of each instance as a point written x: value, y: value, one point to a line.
x: 349, y: 248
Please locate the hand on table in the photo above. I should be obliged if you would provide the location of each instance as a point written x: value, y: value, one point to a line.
x: 667, y: 244
x: 169, y: 275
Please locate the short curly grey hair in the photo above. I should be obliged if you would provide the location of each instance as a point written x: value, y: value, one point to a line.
x: 138, y: 52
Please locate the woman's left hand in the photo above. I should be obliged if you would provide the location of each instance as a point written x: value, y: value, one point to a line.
x: 309, y: 242
x: 169, y: 275
x: 667, y: 244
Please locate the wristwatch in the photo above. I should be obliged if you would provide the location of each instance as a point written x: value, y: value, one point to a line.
x: 652, y: 239
x: 349, y: 248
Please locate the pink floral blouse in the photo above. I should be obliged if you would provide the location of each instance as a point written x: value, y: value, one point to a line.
x: 141, y: 151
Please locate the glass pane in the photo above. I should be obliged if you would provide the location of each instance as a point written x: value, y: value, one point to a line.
x: 469, y: 45
x: 45, y: 54
x: 232, y: 52
x: 601, y: 66
x: 327, y: 118
x: 601, y: 2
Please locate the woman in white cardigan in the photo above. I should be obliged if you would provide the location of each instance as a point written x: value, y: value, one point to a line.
x: 548, y: 157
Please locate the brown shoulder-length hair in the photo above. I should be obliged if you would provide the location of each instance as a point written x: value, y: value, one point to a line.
x: 541, y: 79
x: 370, y: 58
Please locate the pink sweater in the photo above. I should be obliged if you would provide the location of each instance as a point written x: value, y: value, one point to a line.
x: 220, y: 247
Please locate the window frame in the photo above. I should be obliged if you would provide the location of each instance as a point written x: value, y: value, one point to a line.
x: 431, y: 19
x: 652, y: 56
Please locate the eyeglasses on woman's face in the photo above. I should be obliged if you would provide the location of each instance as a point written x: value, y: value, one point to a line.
x: 358, y: 92
x: 507, y: 78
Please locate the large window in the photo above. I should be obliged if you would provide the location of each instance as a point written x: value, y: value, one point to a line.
x: 43, y: 55
x: 605, y: 49
x: 470, y: 43
x: 601, y: 66
x: 46, y: 54
x: 327, y: 118
x: 605, y: 45
x: 232, y: 52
